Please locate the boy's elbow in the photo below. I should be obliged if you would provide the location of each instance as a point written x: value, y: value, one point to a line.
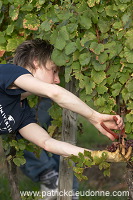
x: 54, y: 93
x: 46, y: 144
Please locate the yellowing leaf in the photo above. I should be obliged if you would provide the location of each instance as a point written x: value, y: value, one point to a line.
x: 14, y: 12
x: 31, y: 22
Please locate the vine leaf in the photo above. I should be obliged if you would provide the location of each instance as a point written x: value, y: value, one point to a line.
x: 31, y: 22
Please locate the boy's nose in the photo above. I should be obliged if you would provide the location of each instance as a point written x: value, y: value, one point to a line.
x: 57, y: 80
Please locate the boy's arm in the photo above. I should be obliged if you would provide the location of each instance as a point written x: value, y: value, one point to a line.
x: 36, y: 134
x: 40, y: 137
x: 69, y: 101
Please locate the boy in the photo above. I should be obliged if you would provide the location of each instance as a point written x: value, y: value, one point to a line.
x: 38, y: 75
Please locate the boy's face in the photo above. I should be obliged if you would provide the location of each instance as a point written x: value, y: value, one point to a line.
x: 47, y: 73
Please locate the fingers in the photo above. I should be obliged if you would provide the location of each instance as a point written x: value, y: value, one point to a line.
x: 129, y: 153
x: 119, y: 121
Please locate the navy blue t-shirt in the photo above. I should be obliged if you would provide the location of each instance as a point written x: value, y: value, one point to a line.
x: 14, y: 113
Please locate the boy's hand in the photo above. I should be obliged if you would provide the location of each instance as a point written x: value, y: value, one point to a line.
x: 118, y: 156
x: 97, y: 118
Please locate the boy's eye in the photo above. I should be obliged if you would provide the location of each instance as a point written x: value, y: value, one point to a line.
x: 55, y: 71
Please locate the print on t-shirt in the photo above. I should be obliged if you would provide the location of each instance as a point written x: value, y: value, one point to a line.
x: 6, y: 121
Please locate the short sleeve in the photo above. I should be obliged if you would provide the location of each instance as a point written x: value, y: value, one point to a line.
x: 28, y: 115
x: 8, y: 74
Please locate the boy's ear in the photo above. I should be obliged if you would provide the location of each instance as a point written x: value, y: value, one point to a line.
x: 36, y: 63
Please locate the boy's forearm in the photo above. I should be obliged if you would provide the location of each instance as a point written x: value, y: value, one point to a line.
x: 62, y: 148
x: 58, y: 94
x: 69, y: 101
x: 40, y: 137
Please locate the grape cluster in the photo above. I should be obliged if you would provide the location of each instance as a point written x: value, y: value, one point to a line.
x: 113, y: 147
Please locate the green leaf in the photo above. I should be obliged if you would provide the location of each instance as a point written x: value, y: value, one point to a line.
x: 125, y: 1
x: 59, y: 57
x: 124, y: 77
x: 21, y: 146
x: 72, y: 27
x: 76, y: 55
x: 68, y: 71
x: 129, y: 41
x: 101, y: 89
x: 19, y: 153
x: 96, y: 48
x: 27, y: 7
x: 89, y: 86
x: 78, y: 170
x: 104, y: 25
x: 74, y: 158
x: 104, y: 165
x: 41, y: 2
x: 87, y: 37
x: 63, y: 33
x: 31, y: 22
x: 53, y: 36
x: 45, y: 26
x: 0, y: 4
x: 106, y: 172
x: 16, y: 2
x: 129, y: 116
x: 125, y: 94
x: 102, y: 58
x: 81, y: 156
x: 130, y: 105
x: 87, y: 154
x: 110, y: 10
x: 55, y: 111
x: 98, y: 77
x: 19, y: 161
x: 2, y: 38
x: 62, y: 14
x: 70, y: 48
x: 100, y: 101
x: 118, y: 25
x: 52, y: 128
x: 85, y: 21
x: 88, y: 163
x: 117, y: 88
x: 13, y: 43
x: 128, y: 127
x: 9, y: 29
x: 128, y: 55
x: 77, y: 70
x: 84, y: 58
x: 129, y: 86
x: 126, y: 18
x: 30, y: 147
x: 32, y: 100
x: 60, y: 43
x: 98, y: 67
x: 80, y: 177
x: 13, y: 143
x: 62, y: 37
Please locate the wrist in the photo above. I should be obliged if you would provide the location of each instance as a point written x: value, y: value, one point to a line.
x: 93, y: 117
